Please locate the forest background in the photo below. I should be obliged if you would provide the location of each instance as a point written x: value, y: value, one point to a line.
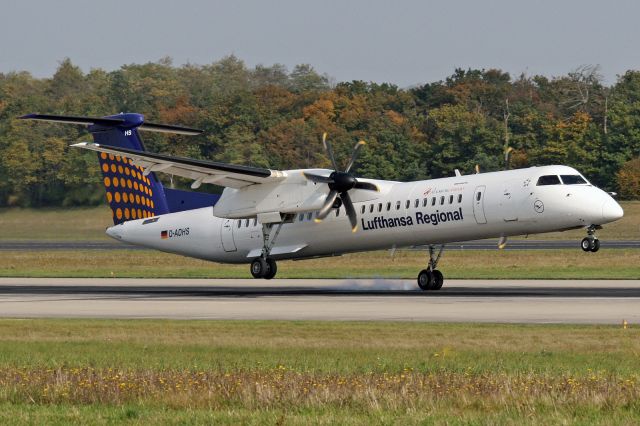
x: 271, y: 117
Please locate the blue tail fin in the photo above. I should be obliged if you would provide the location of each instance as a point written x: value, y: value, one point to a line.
x: 130, y: 194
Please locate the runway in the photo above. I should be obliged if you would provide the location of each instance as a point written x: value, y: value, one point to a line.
x: 501, y: 301
x: 513, y: 244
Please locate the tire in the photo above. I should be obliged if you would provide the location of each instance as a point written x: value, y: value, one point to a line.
x: 585, y: 244
x: 272, y: 269
x: 595, y: 245
x: 438, y: 280
x: 258, y: 267
x: 425, y: 280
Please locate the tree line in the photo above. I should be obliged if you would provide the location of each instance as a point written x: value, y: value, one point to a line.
x: 271, y: 117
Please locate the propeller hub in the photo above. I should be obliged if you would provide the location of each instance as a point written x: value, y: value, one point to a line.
x: 342, y: 182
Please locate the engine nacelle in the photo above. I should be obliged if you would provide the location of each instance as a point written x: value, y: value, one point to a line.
x: 295, y: 194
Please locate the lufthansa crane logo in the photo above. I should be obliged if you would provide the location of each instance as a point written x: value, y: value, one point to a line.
x: 538, y: 206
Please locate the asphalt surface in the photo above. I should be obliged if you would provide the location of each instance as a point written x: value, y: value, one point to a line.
x: 501, y: 301
x: 524, y: 244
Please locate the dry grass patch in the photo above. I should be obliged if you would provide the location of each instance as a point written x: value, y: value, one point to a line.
x: 113, y: 371
x: 281, y: 388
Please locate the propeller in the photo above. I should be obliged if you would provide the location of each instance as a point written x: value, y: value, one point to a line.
x: 340, y: 183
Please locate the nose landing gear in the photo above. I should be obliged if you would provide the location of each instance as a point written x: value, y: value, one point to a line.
x: 431, y: 278
x: 590, y: 242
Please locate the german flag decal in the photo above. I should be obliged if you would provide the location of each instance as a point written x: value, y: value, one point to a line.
x: 164, y: 235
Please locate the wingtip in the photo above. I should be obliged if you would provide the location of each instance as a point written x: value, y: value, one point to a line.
x: 354, y: 229
x: 316, y: 220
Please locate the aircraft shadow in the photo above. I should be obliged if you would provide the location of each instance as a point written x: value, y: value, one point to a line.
x: 255, y: 292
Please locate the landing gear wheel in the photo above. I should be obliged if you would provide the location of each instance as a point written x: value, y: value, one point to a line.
x: 425, y: 279
x: 438, y: 280
x: 595, y: 245
x: 585, y: 244
x: 272, y: 268
x: 259, y: 267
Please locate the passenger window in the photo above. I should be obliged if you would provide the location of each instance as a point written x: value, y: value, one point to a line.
x: 255, y: 221
x: 301, y: 217
x: 451, y: 199
x: 417, y: 204
x: 459, y: 198
x: 442, y: 200
x: 309, y: 216
x: 425, y: 202
x: 370, y: 208
x: 548, y: 180
x: 246, y: 223
x: 478, y: 196
x: 379, y: 207
x: 363, y: 209
x: 573, y: 180
x: 239, y: 223
x: 407, y: 204
x: 398, y: 205
x: 388, y: 205
x: 433, y: 201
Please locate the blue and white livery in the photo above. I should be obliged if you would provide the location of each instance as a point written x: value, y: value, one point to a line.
x: 266, y: 215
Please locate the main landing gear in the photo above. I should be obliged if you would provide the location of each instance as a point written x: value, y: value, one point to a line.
x: 431, y: 278
x: 264, y: 266
x: 590, y: 242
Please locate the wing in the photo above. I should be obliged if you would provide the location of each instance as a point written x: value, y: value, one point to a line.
x: 200, y: 171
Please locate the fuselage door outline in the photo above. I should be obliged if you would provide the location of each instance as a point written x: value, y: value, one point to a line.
x: 226, y: 235
x: 478, y: 204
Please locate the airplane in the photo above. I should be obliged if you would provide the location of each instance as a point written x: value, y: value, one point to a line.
x: 263, y: 215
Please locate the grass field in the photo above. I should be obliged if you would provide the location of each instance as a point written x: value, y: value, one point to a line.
x: 558, y: 264
x: 89, y: 224
x: 98, y: 371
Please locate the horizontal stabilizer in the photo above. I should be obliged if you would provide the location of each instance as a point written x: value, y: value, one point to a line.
x: 121, y: 120
x: 166, y: 128
x: 71, y: 119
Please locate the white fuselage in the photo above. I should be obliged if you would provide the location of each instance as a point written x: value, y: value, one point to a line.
x: 433, y: 211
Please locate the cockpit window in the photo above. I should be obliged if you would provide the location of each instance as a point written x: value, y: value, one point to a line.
x: 573, y: 180
x: 548, y: 180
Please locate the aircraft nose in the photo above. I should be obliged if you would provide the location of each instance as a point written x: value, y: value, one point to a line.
x: 611, y: 211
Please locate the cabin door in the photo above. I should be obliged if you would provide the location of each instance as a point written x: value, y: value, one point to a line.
x: 478, y: 204
x: 226, y: 235
x: 508, y: 203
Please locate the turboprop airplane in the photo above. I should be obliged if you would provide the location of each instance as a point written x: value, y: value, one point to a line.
x: 267, y: 215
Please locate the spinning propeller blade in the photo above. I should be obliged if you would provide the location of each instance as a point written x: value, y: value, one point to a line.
x: 340, y: 183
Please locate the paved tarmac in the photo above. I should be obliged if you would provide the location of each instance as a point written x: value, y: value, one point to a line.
x: 522, y: 244
x: 503, y: 301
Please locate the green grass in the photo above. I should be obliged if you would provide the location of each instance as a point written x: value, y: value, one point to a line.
x: 85, y: 224
x: 473, y: 264
x: 256, y: 372
x: 82, y: 224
